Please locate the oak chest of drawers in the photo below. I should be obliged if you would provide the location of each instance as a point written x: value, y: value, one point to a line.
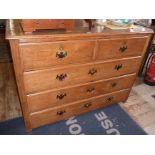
x: 63, y: 74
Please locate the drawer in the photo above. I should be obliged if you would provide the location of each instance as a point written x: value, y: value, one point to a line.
x: 43, y: 55
x: 49, y: 24
x: 119, y: 48
x: 36, y: 81
x: 48, y: 99
x: 30, y: 25
x: 67, y: 24
x: 56, y: 114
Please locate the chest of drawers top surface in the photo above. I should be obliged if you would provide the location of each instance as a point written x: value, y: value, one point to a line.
x: 14, y: 31
x: 60, y: 74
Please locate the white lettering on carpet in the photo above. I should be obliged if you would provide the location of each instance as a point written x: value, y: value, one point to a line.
x: 106, y: 123
x: 74, y: 127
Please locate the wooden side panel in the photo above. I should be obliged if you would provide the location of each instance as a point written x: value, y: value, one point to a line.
x: 145, y: 53
x: 20, y: 83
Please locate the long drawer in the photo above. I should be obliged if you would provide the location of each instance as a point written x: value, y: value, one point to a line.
x: 48, y: 99
x: 43, y: 55
x: 56, y: 114
x: 36, y: 81
x: 119, y: 48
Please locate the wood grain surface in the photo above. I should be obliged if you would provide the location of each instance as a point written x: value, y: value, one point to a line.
x: 53, y: 98
x: 9, y: 100
x: 59, y: 113
x: 36, y: 81
x: 43, y: 55
x: 35, y: 73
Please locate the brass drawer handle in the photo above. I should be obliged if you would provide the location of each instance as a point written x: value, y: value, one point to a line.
x: 87, y: 105
x: 113, y: 84
x: 61, y: 53
x: 61, y: 112
x: 61, y: 96
x: 109, y: 99
x: 123, y: 48
x: 118, y: 66
x: 92, y: 71
x: 61, y: 77
x: 91, y: 89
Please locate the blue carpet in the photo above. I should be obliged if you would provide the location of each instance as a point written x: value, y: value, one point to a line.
x: 108, y: 121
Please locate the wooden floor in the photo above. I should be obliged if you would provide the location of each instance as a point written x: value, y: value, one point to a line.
x: 9, y: 101
x: 140, y: 105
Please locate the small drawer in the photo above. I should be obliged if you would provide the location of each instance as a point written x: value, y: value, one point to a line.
x: 44, y: 55
x: 67, y: 24
x: 59, y: 113
x: 119, y: 48
x: 30, y: 25
x: 36, y: 81
x: 53, y: 24
x: 49, y: 24
x: 49, y: 99
x: 41, y: 24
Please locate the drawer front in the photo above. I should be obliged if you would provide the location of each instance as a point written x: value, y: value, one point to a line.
x: 62, y: 23
x: 57, y: 114
x: 52, y: 23
x: 118, y: 48
x: 44, y: 24
x: 43, y: 55
x: 44, y: 100
x: 41, y: 23
x: 37, y: 81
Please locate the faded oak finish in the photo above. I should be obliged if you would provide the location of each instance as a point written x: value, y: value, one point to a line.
x: 30, y: 25
x: 61, y: 74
